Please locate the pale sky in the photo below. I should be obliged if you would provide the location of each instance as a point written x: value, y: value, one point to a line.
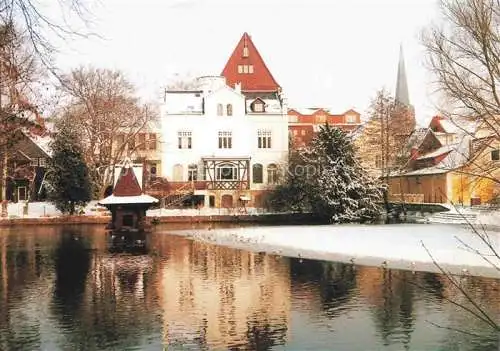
x: 322, y: 52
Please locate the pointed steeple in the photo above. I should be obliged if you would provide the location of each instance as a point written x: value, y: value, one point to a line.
x: 247, y: 67
x: 402, y: 95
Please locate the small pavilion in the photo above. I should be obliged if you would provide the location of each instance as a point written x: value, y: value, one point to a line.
x: 127, y: 203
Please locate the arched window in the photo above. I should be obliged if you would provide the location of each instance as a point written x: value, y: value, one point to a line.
x: 272, y: 174
x: 226, y: 171
x: 229, y: 109
x: 257, y: 172
x: 220, y: 110
x: 178, y: 173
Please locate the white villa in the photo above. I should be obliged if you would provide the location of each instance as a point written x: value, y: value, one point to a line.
x: 225, y: 144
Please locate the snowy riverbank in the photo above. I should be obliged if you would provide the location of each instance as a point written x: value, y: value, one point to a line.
x: 45, y: 209
x: 392, y: 246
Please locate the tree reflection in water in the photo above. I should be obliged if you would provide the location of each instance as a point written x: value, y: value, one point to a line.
x: 72, y: 263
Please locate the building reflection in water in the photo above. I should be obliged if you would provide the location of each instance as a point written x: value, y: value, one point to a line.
x: 73, y: 288
x: 222, y: 298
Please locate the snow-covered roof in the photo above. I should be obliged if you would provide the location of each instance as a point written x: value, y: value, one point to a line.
x: 120, y: 200
x: 43, y: 142
x: 458, y: 155
x: 417, y: 137
x: 442, y: 150
x: 459, y: 125
x: 181, y: 102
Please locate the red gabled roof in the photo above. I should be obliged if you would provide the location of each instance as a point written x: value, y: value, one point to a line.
x: 260, y: 80
x: 127, y: 184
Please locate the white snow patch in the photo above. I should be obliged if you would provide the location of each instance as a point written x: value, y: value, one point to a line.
x: 393, y: 246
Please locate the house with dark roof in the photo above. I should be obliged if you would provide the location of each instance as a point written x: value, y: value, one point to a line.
x: 27, y: 163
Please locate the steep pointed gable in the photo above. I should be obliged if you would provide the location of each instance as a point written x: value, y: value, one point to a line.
x: 127, y: 184
x: 247, y: 67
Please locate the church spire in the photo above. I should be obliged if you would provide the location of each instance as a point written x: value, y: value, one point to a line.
x: 402, y: 95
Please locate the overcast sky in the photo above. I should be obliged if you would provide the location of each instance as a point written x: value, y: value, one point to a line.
x: 323, y: 53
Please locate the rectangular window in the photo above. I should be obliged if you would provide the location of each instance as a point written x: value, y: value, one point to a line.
x: 225, y: 140
x: 184, y: 140
x: 378, y: 161
x: 240, y: 69
x: 495, y: 155
x: 120, y: 140
x: 245, y: 68
x: 264, y: 139
x: 350, y: 119
x: 142, y: 141
x: 258, y: 107
x: 192, y: 173
x: 245, y: 51
x: 250, y: 69
x: 152, y: 141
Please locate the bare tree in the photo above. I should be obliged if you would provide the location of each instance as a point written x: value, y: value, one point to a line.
x: 463, y: 52
x: 18, y: 72
x: 384, y: 136
x: 43, y: 22
x: 108, y: 115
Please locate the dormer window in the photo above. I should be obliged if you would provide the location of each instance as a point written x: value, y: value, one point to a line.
x: 245, y: 51
x: 258, y: 106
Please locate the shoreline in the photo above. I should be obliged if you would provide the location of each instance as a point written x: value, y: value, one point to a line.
x: 405, y: 257
x: 272, y: 218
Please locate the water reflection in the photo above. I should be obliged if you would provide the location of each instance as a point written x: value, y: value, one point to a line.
x: 74, y: 288
x: 223, y: 298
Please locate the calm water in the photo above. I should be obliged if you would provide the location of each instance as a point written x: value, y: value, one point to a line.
x: 69, y: 288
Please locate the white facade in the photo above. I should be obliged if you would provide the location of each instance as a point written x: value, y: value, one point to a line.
x: 217, y: 122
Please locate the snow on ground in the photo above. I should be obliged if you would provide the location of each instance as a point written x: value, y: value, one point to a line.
x: 393, y: 246
x: 45, y: 209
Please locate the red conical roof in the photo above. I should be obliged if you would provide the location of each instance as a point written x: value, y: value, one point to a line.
x: 247, y: 67
x: 127, y: 184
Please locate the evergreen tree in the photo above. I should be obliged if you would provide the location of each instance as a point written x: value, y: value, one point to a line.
x: 68, y: 175
x: 330, y: 181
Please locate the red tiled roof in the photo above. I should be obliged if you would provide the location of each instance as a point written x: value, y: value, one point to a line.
x: 260, y: 80
x: 127, y: 184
